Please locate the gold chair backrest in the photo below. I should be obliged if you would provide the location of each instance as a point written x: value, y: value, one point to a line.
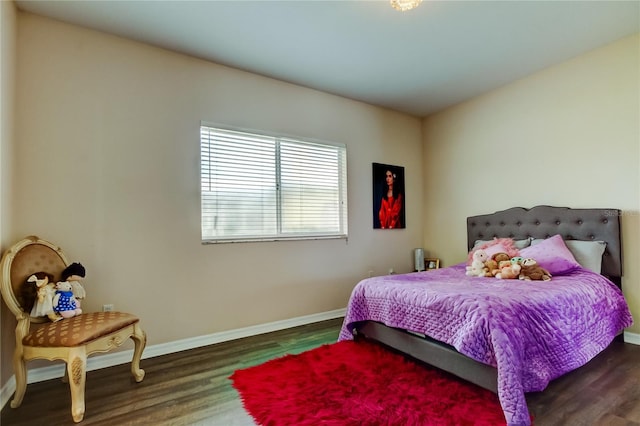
x: 23, y: 259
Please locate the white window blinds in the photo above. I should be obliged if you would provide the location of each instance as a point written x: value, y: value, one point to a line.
x: 260, y: 187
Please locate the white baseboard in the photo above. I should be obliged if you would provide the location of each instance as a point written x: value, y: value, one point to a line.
x: 7, y: 390
x: 633, y: 338
x: 225, y: 336
x: 123, y: 357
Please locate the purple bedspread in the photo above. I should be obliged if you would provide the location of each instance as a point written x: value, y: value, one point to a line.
x: 531, y: 331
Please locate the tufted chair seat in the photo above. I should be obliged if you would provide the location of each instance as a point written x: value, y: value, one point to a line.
x: 71, y: 339
x: 78, y: 330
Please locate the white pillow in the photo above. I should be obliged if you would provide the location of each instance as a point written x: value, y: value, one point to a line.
x: 587, y: 253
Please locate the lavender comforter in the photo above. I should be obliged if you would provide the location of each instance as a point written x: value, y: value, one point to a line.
x: 532, y: 332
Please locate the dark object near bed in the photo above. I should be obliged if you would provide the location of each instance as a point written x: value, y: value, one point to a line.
x: 516, y: 223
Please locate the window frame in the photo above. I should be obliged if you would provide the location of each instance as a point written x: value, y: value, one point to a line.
x: 342, y: 191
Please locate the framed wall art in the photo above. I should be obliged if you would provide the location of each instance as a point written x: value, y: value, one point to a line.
x: 388, y: 196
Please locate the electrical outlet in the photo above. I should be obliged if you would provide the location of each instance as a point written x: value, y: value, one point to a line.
x: 107, y: 308
x: 370, y: 274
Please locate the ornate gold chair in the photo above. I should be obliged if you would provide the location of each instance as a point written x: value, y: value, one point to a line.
x: 71, y: 339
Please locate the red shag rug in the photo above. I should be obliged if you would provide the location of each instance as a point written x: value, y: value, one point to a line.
x: 360, y: 383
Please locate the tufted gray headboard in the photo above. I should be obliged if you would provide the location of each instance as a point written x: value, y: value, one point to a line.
x: 546, y: 221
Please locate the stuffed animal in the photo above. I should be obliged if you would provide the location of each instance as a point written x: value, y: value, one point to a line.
x: 45, y: 290
x: 493, y: 264
x: 74, y: 273
x: 64, y: 303
x: 531, y: 270
x: 510, y: 271
x: 477, y: 268
x: 517, y: 260
x: 490, y: 265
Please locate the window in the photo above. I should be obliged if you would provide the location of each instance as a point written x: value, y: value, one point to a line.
x: 257, y: 187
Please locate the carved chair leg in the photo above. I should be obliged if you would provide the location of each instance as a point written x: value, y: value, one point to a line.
x: 20, y: 371
x: 19, y: 363
x: 77, y: 372
x: 140, y: 341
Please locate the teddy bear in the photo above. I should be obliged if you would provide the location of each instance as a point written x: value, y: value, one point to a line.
x: 509, y: 270
x: 489, y: 266
x: 477, y: 268
x: 531, y: 270
x: 493, y: 264
x: 64, y: 302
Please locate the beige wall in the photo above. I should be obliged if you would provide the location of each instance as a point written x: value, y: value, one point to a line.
x: 107, y: 166
x: 8, y: 28
x: 566, y: 136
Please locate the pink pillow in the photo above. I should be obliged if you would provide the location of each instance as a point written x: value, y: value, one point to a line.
x: 553, y: 255
x: 496, y: 248
x: 498, y: 245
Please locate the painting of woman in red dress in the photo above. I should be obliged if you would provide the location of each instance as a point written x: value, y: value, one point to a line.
x: 388, y: 202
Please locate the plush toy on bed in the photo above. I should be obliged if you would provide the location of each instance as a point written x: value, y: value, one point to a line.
x: 477, y: 268
x: 517, y: 259
x: 490, y: 266
x: 531, y: 270
x: 493, y: 264
x: 509, y: 271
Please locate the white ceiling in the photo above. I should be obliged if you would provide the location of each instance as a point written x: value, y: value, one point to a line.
x: 417, y: 62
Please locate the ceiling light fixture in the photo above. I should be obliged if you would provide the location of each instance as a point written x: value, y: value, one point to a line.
x: 404, y: 5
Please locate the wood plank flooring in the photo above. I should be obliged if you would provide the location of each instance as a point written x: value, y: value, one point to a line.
x: 192, y: 387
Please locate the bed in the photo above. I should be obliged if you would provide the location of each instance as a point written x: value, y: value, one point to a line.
x: 508, y: 336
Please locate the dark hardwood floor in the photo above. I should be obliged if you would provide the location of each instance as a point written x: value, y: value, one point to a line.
x: 605, y: 391
x: 192, y: 387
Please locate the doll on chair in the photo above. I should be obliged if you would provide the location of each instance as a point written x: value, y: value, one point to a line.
x: 69, y: 291
x: 74, y: 274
